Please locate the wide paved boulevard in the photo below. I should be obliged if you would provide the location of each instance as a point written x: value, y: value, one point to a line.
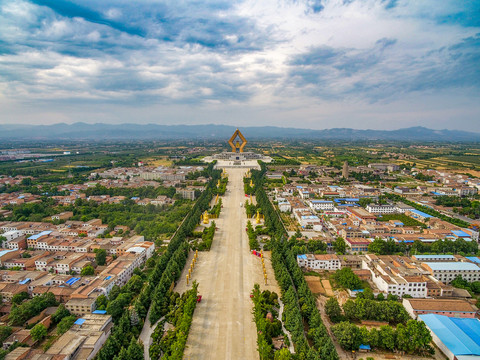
x: 223, y: 326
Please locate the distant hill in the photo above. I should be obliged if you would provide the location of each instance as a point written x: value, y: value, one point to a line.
x: 78, y: 131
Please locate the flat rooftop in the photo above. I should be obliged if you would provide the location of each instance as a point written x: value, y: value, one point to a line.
x: 450, y: 305
x: 459, y: 266
x: 427, y: 257
x: 460, y: 336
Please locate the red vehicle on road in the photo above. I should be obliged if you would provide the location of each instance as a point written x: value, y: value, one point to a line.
x: 199, y: 298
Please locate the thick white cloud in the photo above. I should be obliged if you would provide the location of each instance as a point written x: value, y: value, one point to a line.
x: 312, y: 63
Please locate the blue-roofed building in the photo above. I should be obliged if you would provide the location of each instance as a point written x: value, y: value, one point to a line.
x: 448, y: 271
x: 39, y: 235
x: 79, y: 321
x: 458, y: 338
x: 461, y: 234
x: 417, y: 214
x: 364, y: 348
x: 474, y: 259
x: 434, y: 257
x: 72, y: 281
x: 3, y: 252
x: 100, y: 312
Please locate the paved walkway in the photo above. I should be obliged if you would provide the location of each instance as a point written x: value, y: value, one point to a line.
x: 222, y: 326
x: 146, y: 335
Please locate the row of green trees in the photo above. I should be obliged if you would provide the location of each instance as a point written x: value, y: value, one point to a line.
x: 207, y: 237
x: 216, y: 209
x: 389, y: 311
x: 406, y: 220
x: 123, y: 340
x: 250, y: 209
x: 299, y: 303
x: 442, y: 246
x: 263, y: 303
x: 180, y: 314
x: 299, y: 246
x: 172, y: 262
x: 414, y: 337
x: 141, y: 192
x: 249, y: 190
x: 461, y: 205
x: 428, y: 210
x: 220, y: 190
x: 252, y: 237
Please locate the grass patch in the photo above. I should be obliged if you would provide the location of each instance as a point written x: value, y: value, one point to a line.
x: 406, y: 220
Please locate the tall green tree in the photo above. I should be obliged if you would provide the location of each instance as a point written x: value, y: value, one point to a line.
x: 65, y: 324
x: 134, y: 351
x: 339, y: 245
x: 38, y: 332
x: 87, y: 270
x: 348, y: 335
x: 283, y: 354
x: 388, y: 338
x: 60, y: 313
x: 100, y: 256
x: 18, y: 298
x: 333, y: 310
x: 346, y: 278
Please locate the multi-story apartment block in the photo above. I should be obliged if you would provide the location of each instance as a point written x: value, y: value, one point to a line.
x: 319, y: 262
x: 381, y: 209
x: 448, y: 271
x: 396, y: 275
x: 322, y: 205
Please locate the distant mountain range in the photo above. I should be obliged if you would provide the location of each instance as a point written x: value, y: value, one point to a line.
x: 99, y: 131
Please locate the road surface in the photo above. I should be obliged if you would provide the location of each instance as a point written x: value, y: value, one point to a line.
x: 146, y: 335
x: 222, y: 326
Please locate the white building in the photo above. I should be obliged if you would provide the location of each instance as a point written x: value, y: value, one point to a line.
x: 381, y: 209
x: 305, y: 218
x: 448, y: 271
x: 146, y: 248
x: 402, y: 208
x: 415, y: 286
x: 466, y: 191
x: 12, y: 234
x: 284, y: 205
x: 394, y: 281
x: 473, y: 234
x: 321, y: 205
x: 319, y: 262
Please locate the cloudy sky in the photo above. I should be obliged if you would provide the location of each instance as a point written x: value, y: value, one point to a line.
x: 302, y: 63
